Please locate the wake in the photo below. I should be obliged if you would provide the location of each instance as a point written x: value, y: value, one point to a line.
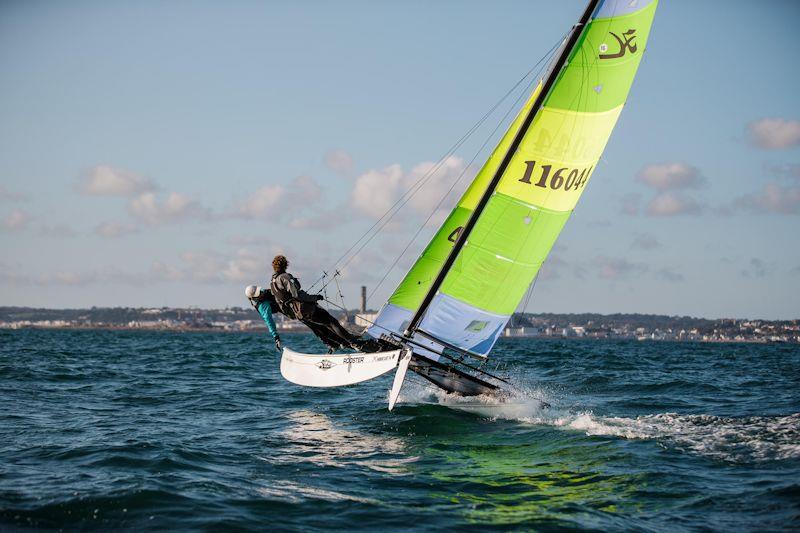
x: 732, y: 439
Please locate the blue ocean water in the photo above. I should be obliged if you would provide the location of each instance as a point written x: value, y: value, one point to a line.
x: 126, y: 430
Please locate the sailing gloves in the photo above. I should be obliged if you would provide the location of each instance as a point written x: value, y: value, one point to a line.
x: 278, y: 345
x: 319, y: 297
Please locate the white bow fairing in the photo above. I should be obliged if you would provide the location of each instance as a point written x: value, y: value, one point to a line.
x: 338, y: 370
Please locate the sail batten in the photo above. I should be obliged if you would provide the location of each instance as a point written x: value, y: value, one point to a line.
x: 476, y: 269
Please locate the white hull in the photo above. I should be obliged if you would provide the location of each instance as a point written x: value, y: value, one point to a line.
x: 337, y: 370
x: 314, y: 370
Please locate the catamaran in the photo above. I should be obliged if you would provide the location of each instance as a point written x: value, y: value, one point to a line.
x: 447, y: 313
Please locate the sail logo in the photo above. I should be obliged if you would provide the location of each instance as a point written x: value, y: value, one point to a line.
x: 625, y: 42
x: 325, y: 364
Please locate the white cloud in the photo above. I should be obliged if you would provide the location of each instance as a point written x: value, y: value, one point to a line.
x: 246, y: 267
x: 668, y: 274
x: 58, y: 231
x: 645, y: 241
x: 756, y: 268
x: 10, y: 196
x: 790, y: 171
x: 248, y: 240
x: 670, y: 176
x: 112, y: 230
x: 263, y: 203
x: 617, y: 267
x: 16, y: 220
x: 176, y: 207
x: 376, y: 191
x: 70, y: 278
x: 339, y: 161
x: 630, y: 204
x: 668, y: 204
x: 60, y: 278
x: 195, y: 267
x: 274, y: 202
x: 773, y: 198
x: 774, y: 133
x: 321, y: 220
x: 439, y: 184
x: 104, y: 180
x: 366, y: 267
x: 303, y: 191
x: 213, y: 267
x: 9, y: 276
x: 162, y: 272
x: 202, y: 266
x: 553, y: 267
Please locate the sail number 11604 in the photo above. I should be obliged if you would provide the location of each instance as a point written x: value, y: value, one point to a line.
x: 563, y: 178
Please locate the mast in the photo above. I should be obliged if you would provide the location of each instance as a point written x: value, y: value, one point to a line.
x: 577, y: 30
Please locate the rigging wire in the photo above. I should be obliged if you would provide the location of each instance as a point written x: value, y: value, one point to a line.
x: 530, y: 292
x: 458, y: 360
x: 416, y: 187
x: 392, y: 264
x: 341, y: 296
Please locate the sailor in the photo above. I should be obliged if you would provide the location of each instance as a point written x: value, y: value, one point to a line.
x: 296, y: 303
x: 263, y: 302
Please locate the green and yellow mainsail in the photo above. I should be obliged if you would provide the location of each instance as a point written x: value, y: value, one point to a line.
x: 535, y: 195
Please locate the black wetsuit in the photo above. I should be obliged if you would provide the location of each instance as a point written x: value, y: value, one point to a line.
x: 298, y: 304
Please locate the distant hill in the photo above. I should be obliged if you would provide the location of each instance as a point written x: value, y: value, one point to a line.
x: 124, y: 315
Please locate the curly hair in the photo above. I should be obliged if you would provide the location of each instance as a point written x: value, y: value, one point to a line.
x: 279, y: 263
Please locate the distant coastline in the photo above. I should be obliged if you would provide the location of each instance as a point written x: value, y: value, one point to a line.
x: 543, y: 325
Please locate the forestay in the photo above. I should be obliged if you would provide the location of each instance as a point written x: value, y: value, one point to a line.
x: 535, y: 194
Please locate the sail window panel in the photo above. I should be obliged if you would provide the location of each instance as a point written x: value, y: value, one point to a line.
x: 462, y: 325
x: 592, y: 83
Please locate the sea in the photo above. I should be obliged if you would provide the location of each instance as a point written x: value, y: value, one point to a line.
x: 197, y: 431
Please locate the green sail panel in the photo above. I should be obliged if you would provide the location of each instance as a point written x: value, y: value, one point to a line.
x: 536, y: 193
x: 605, y: 63
x: 411, y: 291
x: 503, y: 254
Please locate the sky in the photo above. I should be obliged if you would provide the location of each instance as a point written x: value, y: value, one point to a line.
x: 161, y: 153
